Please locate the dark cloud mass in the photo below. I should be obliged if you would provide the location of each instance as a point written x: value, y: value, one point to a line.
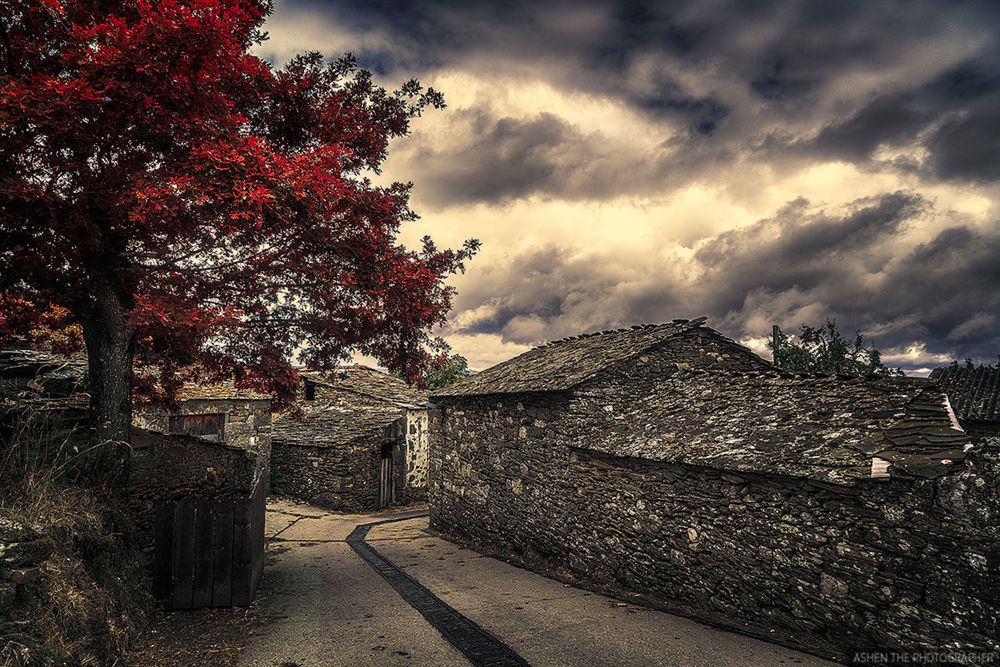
x: 852, y: 149
x: 785, y: 52
x: 800, y: 266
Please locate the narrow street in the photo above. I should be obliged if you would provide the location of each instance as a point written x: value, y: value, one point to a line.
x: 324, y: 604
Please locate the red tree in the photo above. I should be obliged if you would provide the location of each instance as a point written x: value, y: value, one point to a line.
x: 193, y: 208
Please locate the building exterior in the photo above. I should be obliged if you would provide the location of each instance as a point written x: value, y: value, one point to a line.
x: 671, y: 465
x: 975, y: 396
x: 361, y: 445
x: 213, y: 448
x: 214, y: 413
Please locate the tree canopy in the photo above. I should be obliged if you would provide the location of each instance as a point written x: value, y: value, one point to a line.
x: 197, y: 211
x: 824, y: 350
x: 450, y: 370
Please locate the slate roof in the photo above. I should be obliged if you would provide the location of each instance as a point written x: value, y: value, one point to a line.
x: 224, y: 391
x: 47, y: 368
x: 369, y: 382
x: 974, y: 392
x: 367, y: 401
x: 334, y: 423
x: 27, y: 363
x: 831, y: 428
x: 563, y: 364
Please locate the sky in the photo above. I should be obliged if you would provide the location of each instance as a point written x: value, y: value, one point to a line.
x: 757, y: 163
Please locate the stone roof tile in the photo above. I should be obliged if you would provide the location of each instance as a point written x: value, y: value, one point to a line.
x: 565, y: 363
x: 222, y: 391
x: 369, y: 382
x: 830, y: 428
x: 334, y: 423
x: 974, y: 392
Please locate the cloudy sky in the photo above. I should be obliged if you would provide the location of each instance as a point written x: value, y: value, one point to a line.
x: 756, y: 162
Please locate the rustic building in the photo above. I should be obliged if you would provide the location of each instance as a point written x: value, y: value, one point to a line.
x: 975, y: 396
x: 215, y: 413
x: 362, y: 444
x: 214, y: 446
x: 41, y: 373
x: 671, y: 463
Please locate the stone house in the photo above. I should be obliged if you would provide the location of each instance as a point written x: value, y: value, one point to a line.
x: 975, y: 396
x: 215, y: 445
x: 670, y: 464
x: 214, y: 413
x: 361, y: 445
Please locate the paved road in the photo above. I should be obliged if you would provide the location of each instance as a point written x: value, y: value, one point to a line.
x: 327, y: 606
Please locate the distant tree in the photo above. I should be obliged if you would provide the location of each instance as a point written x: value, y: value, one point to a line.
x: 444, y: 369
x: 450, y: 370
x: 824, y: 350
x: 968, y: 364
x: 195, y: 211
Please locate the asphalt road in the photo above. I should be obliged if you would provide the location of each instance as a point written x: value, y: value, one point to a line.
x: 324, y: 605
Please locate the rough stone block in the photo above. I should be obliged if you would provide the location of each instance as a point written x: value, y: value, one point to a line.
x: 8, y: 594
x: 18, y: 554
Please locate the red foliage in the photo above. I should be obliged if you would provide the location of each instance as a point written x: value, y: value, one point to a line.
x: 223, y: 204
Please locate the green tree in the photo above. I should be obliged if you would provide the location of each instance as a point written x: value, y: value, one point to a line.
x: 444, y: 368
x: 824, y: 350
x: 452, y: 368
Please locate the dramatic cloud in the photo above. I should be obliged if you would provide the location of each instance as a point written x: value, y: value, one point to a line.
x: 760, y: 163
x: 801, y: 265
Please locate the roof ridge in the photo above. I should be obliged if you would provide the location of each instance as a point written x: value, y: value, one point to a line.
x: 680, y: 324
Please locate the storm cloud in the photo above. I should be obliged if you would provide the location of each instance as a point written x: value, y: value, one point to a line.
x: 802, y: 265
x: 759, y: 163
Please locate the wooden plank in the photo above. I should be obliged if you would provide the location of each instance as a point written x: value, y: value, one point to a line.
x: 243, y: 569
x: 204, y: 525
x: 222, y: 573
x: 183, y: 555
x: 163, y: 551
x: 259, y: 519
x: 383, y: 478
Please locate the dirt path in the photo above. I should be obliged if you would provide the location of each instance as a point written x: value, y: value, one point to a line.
x: 323, y: 604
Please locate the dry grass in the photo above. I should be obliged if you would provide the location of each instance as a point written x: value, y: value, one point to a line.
x: 90, y: 600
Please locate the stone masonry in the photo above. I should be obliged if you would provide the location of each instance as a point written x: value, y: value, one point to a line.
x: 331, y: 453
x: 841, y: 514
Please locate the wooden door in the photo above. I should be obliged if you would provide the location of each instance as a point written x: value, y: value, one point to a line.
x: 386, y: 487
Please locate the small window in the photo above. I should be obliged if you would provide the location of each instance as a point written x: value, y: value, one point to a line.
x: 205, y: 426
x: 310, y: 391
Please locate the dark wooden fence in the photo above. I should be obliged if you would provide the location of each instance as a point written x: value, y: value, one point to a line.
x: 392, y: 464
x: 210, y: 553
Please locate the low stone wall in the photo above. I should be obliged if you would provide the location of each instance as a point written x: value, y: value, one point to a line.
x: 887, y: 564
x: 174, y: 467
x: 23, y: 549
x: 344, y: 477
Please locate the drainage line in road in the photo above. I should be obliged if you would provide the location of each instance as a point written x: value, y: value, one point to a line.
x: 476, y: 644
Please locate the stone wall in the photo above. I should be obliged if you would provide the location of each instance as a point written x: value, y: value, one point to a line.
x: 247, y: 421
x: 415, y: 480
x: 342, y: 477
x: 881, y: 563
x: 247, y: 424
x: 23, y: 549
x: 174, y: 467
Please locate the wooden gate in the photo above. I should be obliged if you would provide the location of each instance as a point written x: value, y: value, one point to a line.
x: 210, y: 553
x: 391, y: 464
x: 386, y: 488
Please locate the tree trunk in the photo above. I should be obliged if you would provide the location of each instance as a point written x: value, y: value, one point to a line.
x: 110, y: 348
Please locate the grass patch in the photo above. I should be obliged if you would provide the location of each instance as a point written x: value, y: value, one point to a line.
x: 86, y: 602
